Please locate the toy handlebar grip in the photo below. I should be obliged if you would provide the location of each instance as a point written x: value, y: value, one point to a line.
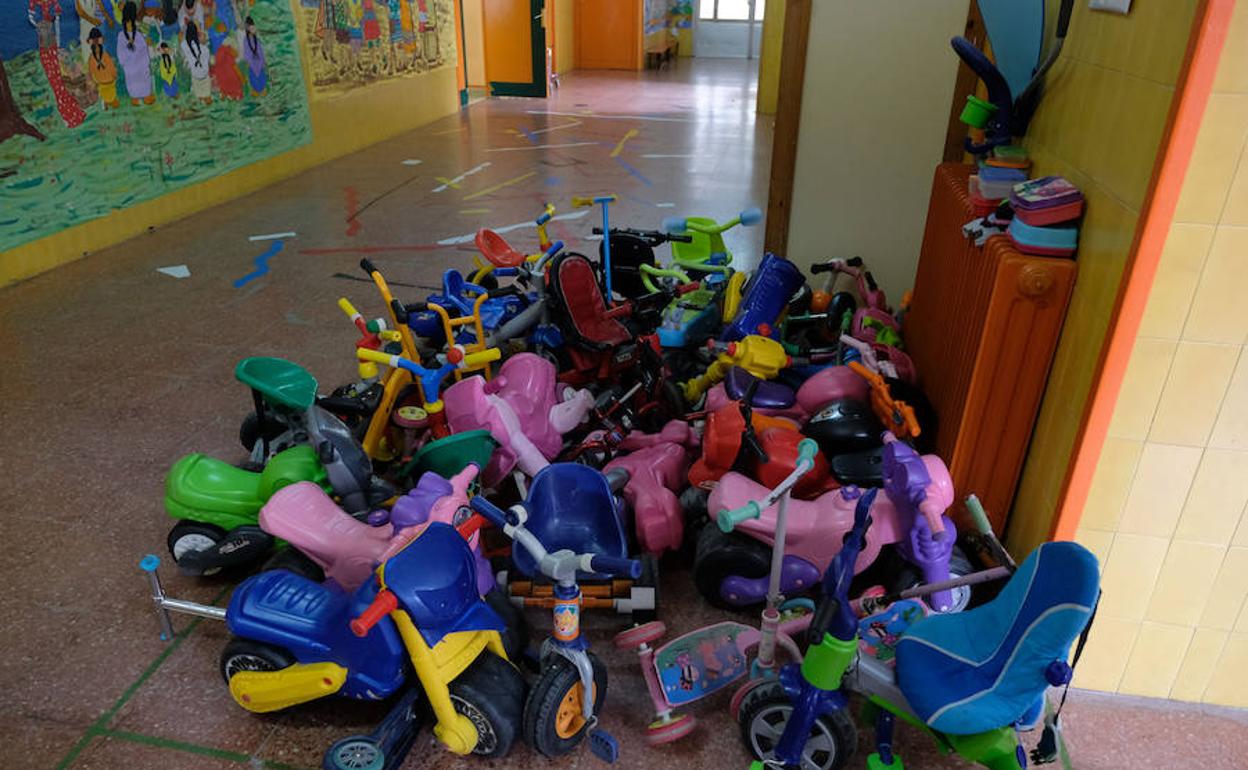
x: 416, y: 307
x: 728, y: 520
x: 806, y: 451
x: 544, y: 218
x: 979, y: 515
x: 495, y: 515
x: 481, y: 358
x: 932, y: 511
x: 751, y: 216
x: 822, y: 267
x: 348, y: 308
x: 383, y: 605
x: 580, y: 201
x: 368, y: 265
x: 674, y: 225
x: 686, y: 288
x: 376, y: 356
x: 554, y: 249
x: 614, y: 565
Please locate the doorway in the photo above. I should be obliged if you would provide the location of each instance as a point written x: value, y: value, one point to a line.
x: 729, y: 29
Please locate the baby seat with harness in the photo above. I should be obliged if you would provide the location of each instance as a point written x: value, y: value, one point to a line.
x: 576, y: 299
x: 987, y: 668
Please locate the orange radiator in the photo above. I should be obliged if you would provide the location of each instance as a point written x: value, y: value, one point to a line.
x: 982, y: 329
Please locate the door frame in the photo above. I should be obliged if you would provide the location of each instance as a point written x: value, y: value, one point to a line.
x: 537, y: 39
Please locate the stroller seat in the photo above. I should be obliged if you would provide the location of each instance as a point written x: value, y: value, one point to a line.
x: 573, y: 287
x: 983, y: 669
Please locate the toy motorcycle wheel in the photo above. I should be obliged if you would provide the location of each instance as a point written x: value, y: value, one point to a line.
x: 554, y: 720
x: 516, y: 637
x: 245, y: 655
x: 358, y: 752
x: 187, y: 536
x: 719, y: 556
x: 249, y: 430
x: 490, y: 692
x: 766, y: 710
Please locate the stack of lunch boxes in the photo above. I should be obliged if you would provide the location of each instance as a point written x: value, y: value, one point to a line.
x: 1046, y: 211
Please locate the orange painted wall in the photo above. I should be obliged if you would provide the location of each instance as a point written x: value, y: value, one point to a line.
x: 508, y: 52
x: 609, y: 34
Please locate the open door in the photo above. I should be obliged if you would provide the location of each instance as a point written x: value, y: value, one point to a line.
x: 515, y: 47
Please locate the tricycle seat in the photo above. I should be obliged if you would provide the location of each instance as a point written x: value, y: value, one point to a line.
x: 281, y: 382
x: 571, y: 506
x: 573, y: 289
x: 980, y: 670
x: 768, y: 395
x: 497, y: 250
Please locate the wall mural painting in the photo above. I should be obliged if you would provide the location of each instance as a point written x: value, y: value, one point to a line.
x: 106, y: 103
x: 355, y: 42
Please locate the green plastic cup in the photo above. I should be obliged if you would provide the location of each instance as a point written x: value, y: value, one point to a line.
x: 977, y: 111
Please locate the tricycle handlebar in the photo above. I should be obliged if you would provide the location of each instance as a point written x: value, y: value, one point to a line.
x: 615, y: 565
x: 728, y: 520
x: 384, y: 603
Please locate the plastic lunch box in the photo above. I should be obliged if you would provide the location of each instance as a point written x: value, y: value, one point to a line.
x: 1043, y: 241
x: 1046, y: 201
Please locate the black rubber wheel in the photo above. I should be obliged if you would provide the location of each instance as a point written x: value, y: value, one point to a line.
x: 516, y: 636
x: 964, y: 598
x: 719, y: 555
x: 193, y: 536
x: 649, y: 579
x: 553, y: 724
x: 295, y: 561
x: 246, y: 655
x: 490, y: 692
x: 249, y: 430
x: 832, y: 741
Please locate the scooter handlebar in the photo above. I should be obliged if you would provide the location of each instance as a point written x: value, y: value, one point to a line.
x: 934, y: 514
x: 495, y: 515
x: 615, y: 565
x: 806, y: 451
x: 368, y: 266
x: 728, y: 520
x: 978, y: 515
x: 480, y: 358
x: 384, y: 603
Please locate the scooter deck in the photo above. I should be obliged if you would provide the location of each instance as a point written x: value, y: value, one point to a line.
x: 704, y: 661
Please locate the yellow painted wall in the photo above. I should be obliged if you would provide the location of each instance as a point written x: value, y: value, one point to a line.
x: 1166, y: 509
x: 474, y: 44
x: 341, y: 124
x: 1100, y: 125
x: 769, y: 57
x: 565, y: 35
x: 875, y: 110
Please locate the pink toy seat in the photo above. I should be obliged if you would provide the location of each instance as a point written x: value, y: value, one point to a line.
x: 497, y: 250
x: 574, y: 287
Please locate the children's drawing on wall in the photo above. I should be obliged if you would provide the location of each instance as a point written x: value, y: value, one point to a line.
x: 354, y: 42
x: 106, y: 103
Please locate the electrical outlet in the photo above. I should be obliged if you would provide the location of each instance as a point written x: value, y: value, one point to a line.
x: 1113, y: 6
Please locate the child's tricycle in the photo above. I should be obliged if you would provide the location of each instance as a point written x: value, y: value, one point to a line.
x: 971, y: 680
x: 565, y: 700
x: 296, y: 641
x: 704, y: 661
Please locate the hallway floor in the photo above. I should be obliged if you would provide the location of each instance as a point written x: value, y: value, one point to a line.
x: 113, y: 370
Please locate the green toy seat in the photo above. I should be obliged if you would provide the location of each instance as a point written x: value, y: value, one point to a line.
x: 450, y: 455
x: 280, y: 382
x: 703, y: 245
x: 203, y: 488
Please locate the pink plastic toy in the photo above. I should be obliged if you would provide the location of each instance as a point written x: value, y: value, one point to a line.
x: 911, y: 515
x: 349, y: 549
x: 822, y: 388
x: 884, y: 360
x: 657, y: 467
x: 524, y: 409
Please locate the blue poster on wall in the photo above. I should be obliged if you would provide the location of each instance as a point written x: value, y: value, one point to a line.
x: 107, y: 103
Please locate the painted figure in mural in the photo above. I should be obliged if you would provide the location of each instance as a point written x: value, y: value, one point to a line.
x: 427, y: 23
x: 134, y: 56
x: 103, y: 70
x: 253, y: 53
x: 167, y: 69
x: 192, y: 12
x: 198, y: 61
x: 45, y: 17
x: 225, y: 71
x: 91, y: 14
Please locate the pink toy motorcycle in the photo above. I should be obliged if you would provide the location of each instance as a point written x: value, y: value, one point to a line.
x: 523, y: 407
x: 874, y: 303
x: 778, y: 400
x: 731, y: 571
x: 658, y: 467
x: 349, y: 550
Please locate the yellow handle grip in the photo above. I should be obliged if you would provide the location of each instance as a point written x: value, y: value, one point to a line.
x: 390, y: 335
x: 364, y: 354
x: 580, y: 201
x: 481, y: 357
x: 348, y: 308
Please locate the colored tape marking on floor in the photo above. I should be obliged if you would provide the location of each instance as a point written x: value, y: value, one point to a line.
x: 455, y: 240
x: 652, y: 118
x: 196, y: 749
x: 455, y: 182
x: 543, y: 147
x: 560, y: 127
x: 100, y: 725
x: 619, y: 148
x: 262, y: 264
x: 632, y: 170
x: 447, y: 182
x: 499, y: 186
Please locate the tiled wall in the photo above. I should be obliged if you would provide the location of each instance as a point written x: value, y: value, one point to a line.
x: 1100, y: 124
x: 1166, y: 511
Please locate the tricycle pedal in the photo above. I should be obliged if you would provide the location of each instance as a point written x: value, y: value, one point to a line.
x: 604, y: 745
